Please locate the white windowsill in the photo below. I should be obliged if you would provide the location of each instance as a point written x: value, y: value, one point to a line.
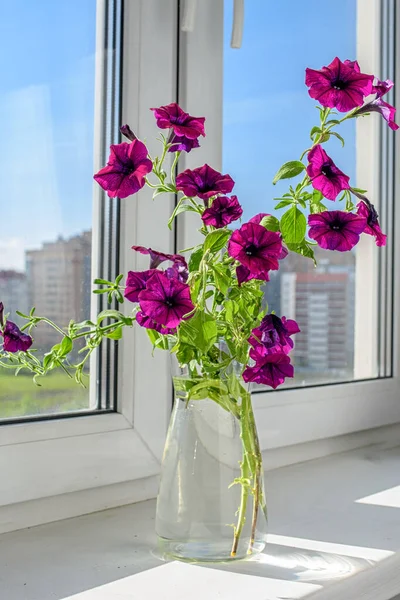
x: 323, y: 543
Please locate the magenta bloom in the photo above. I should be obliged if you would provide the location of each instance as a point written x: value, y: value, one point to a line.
x: 340, y: 85
x: 270, y: 369
x: 387, y: 111
x: 380, y: 88
x: 126, y: 169
x: 367, y: 210
x: 222, y: 211
x: 244, y: 274
x: 136, y: 282
x: 182, y: 124
x: 166, y: 301
x: 336, y: 230
x: 14, y: 340
x: 255, y: 248
x: 156, y: 258
x: 204, y: 182
x: 182, y: 144
x: 148, y: 323
x: 274, y: 335
x: 324, y: 174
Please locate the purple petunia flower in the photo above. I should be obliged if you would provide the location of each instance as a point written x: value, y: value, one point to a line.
x: 336, y: 229
x: 149, y: 323
x: 14, y: 340
x: 255, y: 248
x: 222, y: 211
x: 165, y: 300
x: 244, y: 274
x: 324, y: 174
x: 156, y: 258
x: 127, y: 132
x: 387, y: 111
x: 340, y: 85
x: 270, y: 369
x: 126, y: 169
x: 182, y: 124
x: 182, y: 144
x: 136, y: 282
x: 274, y: 335
x: 204, y: 182
x: 380, y: 88
x: 367, y: 210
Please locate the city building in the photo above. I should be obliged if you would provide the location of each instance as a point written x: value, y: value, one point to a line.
x: 322, y: 302
x: 59, y: 283
x: 14, y: 293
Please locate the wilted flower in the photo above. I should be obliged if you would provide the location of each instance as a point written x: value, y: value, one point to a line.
x: 387, y: 111
x: 222, y: 211
x: 182, y: 124
x: 367, y: 210
x: 324, y: 174
x: 14, y: 340
x: 126, y: 169
x: 165, y: 300
x: 380, y: 88
x: 274, y: 335
x: 340, y: 85
x: 156, y: 258
x: 255, y: 248
x: 136, y: 282
x: 270, y: 369
x: 204, y: 182
x: 149, y: 323
x: 182, y: 144
x: 336, y: 229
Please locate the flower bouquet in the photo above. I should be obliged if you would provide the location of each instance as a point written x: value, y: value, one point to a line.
x: 204, y: 306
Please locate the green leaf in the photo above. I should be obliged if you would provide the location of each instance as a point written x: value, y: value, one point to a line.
x: 222, y: 278
x: 289, y: 170
x: 338, y: 136
x: 115, y: 335
x: 216, y: 240
x: 200, y: 390
x: 314, y: 130
x: 180, y: 208
x: 293, y: 226
x: 270, y: 222
x: 304, y: 249
x: 200, y: 331
x: 66, y: 346
x: 333, y: 122
x: 283, y: 203
x: 195, y: 258
x: 316, y: 205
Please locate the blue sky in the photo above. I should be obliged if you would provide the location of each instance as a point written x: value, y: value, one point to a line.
x: 47, y: 102
x: 267, y: 111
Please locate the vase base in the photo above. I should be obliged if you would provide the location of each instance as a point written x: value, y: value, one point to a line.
x: 203, y: 551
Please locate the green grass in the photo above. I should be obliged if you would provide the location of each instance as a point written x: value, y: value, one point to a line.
x: 19, y: 396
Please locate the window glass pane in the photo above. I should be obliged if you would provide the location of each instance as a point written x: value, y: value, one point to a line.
x: 46, y: 118
x: 267, y: 118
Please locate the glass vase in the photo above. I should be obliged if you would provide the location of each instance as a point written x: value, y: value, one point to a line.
x: 211, y: 503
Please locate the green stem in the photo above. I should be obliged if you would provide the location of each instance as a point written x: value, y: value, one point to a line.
x: 246, y: 470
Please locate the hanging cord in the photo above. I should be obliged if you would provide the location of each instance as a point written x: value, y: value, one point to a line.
x: 238, y: 23
x: 189, y: 15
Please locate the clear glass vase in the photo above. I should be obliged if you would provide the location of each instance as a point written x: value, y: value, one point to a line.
x: 211, y: 504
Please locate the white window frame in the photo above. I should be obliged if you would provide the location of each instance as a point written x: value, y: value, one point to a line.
x: 65, y: 467
x: 62, y: 467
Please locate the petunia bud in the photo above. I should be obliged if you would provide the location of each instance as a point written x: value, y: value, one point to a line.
x: 128, y: 133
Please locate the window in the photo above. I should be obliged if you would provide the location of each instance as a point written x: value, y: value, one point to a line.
x: 258, y: 95
x: 47, y: 115
x: 142, y: 59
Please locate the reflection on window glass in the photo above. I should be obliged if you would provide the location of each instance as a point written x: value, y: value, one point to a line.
x: 268, y: 116
x: 46, y: 119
